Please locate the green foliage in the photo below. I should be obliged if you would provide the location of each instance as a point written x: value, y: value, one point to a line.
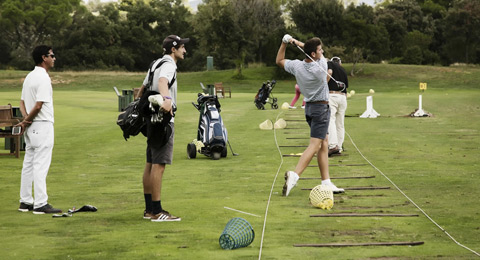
x: 238, y: 32
x: 462, y: 33
x: 26, y: 24
x: 128, y: 34
x: 322, y: 18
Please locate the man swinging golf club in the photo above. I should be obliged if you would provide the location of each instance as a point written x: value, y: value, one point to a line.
x: 311, y: 76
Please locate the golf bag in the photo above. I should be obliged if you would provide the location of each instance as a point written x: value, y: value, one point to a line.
x: 264, y: 96
x: 131, y: 121
x: 212, y: 134
x: 134, y: 119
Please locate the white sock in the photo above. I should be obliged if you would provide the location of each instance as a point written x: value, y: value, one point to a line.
x: 326, y: 182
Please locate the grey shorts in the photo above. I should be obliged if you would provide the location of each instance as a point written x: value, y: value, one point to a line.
x: 318, y: 118
x: 163, y: 155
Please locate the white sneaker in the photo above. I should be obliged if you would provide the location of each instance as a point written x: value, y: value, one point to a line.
x: 335, y: 189
x: 291, y: 179
x: 156, y: 99
x: 303, y: 107
x: 292, y: 107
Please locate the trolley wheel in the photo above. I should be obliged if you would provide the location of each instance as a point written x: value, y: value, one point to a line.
x: 216, y: 156
x: 224, y: 152
x: 191, y: 151
x: 274, y: 106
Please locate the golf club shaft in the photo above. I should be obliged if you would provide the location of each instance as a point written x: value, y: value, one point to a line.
x: 234, y: 154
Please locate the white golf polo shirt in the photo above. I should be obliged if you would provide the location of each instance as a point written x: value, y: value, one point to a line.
x: 37, y: 87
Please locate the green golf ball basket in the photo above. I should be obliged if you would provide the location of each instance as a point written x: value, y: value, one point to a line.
x: 237, y: 233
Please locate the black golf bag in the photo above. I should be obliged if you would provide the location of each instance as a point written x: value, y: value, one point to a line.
x: 212, y: 134
x: 264, y: 96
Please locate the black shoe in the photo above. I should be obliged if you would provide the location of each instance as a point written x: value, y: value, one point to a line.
x: 47, y: 209
x: 24, y: 207
x: 333, y: 151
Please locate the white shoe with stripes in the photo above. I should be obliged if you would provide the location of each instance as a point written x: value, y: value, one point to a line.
x: 164, y: 216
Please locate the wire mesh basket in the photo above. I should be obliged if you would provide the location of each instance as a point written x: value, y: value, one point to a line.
x: 321, y: 196
x: 237, y: 233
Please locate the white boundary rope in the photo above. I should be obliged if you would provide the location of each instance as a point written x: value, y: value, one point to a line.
x: 243, y: 212
x: 418, y: 207
x: 271, y: 190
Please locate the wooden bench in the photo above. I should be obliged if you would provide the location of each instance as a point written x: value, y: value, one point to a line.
x: 222, y: 90
x: 7, y: 120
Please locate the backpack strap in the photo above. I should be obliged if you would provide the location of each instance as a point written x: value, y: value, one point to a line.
x: 152, y: 71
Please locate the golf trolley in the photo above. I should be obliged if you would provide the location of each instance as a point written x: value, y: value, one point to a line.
x: 265, y: 96
x: 212, y: 135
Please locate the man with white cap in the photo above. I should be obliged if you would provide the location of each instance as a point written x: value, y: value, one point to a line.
x: 158, y: 156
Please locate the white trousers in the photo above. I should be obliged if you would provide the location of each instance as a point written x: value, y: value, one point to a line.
x: 38, y: 156
x: 336, y: 128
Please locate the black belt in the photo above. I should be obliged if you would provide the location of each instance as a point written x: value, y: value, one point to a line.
x: 318, y: 102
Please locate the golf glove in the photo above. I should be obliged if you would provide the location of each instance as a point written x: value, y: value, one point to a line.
x: 287, y: 38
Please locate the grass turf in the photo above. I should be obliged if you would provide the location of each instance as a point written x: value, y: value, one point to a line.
x: 433, y: 160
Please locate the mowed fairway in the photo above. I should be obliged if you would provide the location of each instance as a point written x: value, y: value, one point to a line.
x: 433, y: 160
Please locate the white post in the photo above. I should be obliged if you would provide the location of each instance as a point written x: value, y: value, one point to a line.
x: 370, y: 112
x: 420, y: 111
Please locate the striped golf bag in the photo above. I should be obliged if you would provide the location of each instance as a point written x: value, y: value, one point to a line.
x: 211, y: 131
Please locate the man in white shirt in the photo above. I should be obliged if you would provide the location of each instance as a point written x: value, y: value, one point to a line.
x: 160, y: 154
x: 36, y: 105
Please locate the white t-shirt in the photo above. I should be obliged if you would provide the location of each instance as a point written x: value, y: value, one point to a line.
x: 37, y: 87
x: 168, y: 71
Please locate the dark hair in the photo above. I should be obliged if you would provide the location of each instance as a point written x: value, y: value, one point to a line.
x: 168, y: 48
x: 311, y: 45
x: 38, y: 52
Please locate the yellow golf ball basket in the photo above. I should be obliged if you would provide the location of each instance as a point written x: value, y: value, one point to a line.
x: 321, y: 196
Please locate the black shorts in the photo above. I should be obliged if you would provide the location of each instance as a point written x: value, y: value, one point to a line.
x: 163, y: 155
x: 318, y: 118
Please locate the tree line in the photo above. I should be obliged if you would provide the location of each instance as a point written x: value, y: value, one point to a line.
x: 128, y: 35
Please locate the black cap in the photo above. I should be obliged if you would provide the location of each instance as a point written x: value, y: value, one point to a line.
x: 173, y: 41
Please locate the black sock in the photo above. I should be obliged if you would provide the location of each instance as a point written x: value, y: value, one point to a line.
x: 148, y: 202
x: 157, y: 207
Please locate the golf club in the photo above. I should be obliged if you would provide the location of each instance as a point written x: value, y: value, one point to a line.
x: 234, y: 154
x: 340, y: 84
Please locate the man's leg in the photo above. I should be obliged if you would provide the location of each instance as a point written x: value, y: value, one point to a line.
x: 291, y: 178
x: 322, y: 159
x: 297, y: 95
x: 307, y: 155
x: 147, y: 187
x: 152, y: 188
x: 340, y: 121
x: 160, y: 215
x: 43, y: 141
x: 26, y: 180
x: 333, y: 146
x: 156, y: 176
x: 147, y: 191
